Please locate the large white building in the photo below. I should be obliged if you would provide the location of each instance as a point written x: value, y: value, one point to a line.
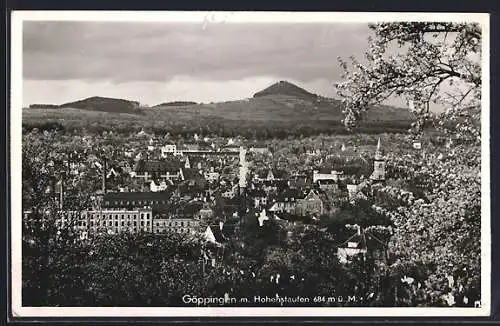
x: 324, y: 175
x: 169, y: 149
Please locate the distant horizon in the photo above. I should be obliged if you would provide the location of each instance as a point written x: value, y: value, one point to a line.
x: 156, y: 62
x: 128, y: 98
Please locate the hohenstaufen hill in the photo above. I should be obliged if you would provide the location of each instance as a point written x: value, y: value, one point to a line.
x: 281, y: 106
x: 286, y: 88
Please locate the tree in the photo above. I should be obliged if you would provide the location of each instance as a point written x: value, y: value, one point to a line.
x: 425, y: 63
x: 436, y: 211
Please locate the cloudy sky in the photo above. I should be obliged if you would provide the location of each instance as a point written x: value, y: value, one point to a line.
x: 159, y: 62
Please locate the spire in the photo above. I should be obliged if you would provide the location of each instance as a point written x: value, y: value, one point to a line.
x: 378, y: 152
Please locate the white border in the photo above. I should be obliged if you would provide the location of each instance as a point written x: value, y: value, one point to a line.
x: 17, y: 18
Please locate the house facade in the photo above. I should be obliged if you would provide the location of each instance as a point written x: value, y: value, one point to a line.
x: 310, y: 205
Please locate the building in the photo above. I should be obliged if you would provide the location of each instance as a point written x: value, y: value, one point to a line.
x: 110, y: 221
x: 206, y: 212
x: 260, y: 150
x: 356, y: 245
x: 133, y: 212
x: 330, y: 185
x: 286, y: 202
x: 168, y: 149
x: 179, y: 225
x: 158, y: 186
x: 117, y: 221
x: 214, y: 235
x: 270, y: 175
x: 323, y: 174
x: 157, y: 170
x: 127, y: 200
x: 212, y: 176
x: 378, y: 164
x: 310, y: 205
x: 299, y: 181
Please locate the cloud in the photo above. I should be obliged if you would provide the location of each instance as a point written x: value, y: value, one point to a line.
x: 160, y: 52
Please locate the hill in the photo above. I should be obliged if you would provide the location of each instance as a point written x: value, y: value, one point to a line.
x: 280, y: 110
x: 106, y: 104
x: 176, y: 103
x: 43, y: 106
x: 286, y: 88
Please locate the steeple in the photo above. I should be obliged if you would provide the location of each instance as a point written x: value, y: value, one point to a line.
x: 378, y: 152
x: 378, y: 164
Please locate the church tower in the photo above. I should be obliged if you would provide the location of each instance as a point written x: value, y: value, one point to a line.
x: 378, y: 164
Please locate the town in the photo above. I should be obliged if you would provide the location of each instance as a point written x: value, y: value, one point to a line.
x: 225, y: 165
x: 203, y: 188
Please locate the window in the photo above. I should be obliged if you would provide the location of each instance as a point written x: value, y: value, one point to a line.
x: 123, y: 223
x: 104, y: 216
x: 142, y: 223
x: 142, y: 215
x: 116, y: 223
x: 182, y: 223
x: 147, y: 223
x: 135, y: 223
x: 110, y: 223
x: 123, y: 216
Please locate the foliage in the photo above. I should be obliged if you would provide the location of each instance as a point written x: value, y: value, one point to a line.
x: 427, y: 56
x: 436, y: 203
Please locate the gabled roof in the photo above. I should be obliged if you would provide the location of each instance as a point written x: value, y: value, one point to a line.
x: 289, y: 195
x: 299, y: 181
x: 312, y: 195
x: 325, y: 170
x: 131, y: 196
x: 277, y: 174
x: 191, y: 146
x: 192, y: 174
x: 157, y: 166
x: 213, y: 233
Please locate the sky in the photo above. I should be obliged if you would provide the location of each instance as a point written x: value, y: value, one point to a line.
x: 155, y: 62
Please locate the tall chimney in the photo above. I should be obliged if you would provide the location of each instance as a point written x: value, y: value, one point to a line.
x: 104, y: 176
